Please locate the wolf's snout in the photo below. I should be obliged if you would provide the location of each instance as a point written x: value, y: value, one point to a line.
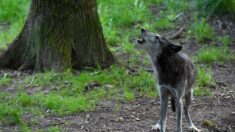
x: 142, y: 40
x: 143, y: 30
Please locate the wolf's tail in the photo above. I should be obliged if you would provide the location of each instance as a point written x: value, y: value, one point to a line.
x: 173, y: 104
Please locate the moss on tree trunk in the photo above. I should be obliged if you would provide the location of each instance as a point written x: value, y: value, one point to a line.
x: 59, y: 34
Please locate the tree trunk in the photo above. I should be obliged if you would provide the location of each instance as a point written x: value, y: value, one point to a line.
x: 59, y: 34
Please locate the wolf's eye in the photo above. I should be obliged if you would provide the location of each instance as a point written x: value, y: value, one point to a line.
x: 157, y: 37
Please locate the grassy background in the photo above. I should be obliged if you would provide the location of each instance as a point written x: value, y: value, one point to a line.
x: 63, y: 93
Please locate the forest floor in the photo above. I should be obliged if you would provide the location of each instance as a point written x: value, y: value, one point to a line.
x: 210, y: 114
x: 215, y: 113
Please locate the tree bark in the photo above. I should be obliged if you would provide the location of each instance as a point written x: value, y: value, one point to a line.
x: 59, y: 34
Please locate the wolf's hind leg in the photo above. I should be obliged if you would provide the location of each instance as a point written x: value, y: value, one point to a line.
x: 188, y: 100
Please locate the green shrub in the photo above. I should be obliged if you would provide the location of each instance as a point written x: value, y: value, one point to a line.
x: 201, y: 30
x: 5, y: 80
x: 213, y: 54
x: 24, y: 99
x: 128, y: 95
x: 9, y: 115
x: 204, y: 82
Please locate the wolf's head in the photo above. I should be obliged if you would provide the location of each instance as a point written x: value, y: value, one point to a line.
x: 155, y: 44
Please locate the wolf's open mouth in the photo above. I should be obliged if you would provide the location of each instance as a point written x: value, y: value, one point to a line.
x: 141, y: 41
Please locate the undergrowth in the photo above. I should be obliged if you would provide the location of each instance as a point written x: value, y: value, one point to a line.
x: 204, y: 82
x: 201, y: 30
x: 5, y: 80
x: 210, y: 53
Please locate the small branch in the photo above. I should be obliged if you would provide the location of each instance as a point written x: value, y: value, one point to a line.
x: 177, y: 34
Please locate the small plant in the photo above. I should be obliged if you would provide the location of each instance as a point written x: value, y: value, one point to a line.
x: 225, y: 40
x: 213, y: 54
x: 24, y: 99
x: 201, y: 30
x: 204, y: 77
x: 25, y: 128
x: 128, y: 95
x: 9, y: 115
x: 53, y: 129
x: 202, y: 91
x: 204, y: 82
x: 164, y: 23
x: 144, y: 83
x: 5, y: 80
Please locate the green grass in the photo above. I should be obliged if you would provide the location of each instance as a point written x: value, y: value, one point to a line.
x: 64, y: 105
x: 128, y: 95
x: 164, y: 23
x: 5, y: 80
x: 53, y: 129
x: 110, y: 15
x: 24, y: 99
x: 122, y: 29
x: 202, y: 91
x: 115, y: 24
x: 225, y: 40
x: 70, y: 84
x: 12, y: 10
x: 212, y: 54
x: 12, y: 17
x: 201, y: 30
x: 204, y: 82
x: 9, y: 115
x: 25, y: 128
x: 67, y: 94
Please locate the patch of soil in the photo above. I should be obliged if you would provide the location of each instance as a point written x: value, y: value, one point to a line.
x: 140, y: 115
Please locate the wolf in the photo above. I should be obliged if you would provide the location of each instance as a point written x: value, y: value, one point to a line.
x: 175, y: 74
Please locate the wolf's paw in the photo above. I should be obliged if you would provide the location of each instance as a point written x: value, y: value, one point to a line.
x: 156, y: 127
x: 194, y: 129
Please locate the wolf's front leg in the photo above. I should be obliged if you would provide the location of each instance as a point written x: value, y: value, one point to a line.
x: 161, y: 125
x: 179, y: 111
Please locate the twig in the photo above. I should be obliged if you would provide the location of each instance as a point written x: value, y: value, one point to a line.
x: 177, y: 34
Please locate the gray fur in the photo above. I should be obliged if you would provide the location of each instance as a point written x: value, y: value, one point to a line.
x: 175, y: 74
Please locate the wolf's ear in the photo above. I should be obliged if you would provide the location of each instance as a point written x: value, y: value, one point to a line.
x: 172, y: 48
